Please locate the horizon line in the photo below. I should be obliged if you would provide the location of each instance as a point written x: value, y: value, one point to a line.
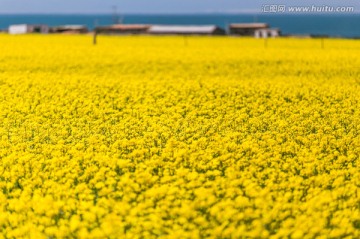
x: 182, y: 13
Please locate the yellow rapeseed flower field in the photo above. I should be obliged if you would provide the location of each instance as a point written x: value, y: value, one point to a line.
x: 172, y: 137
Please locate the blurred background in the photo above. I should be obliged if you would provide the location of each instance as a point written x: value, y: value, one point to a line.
x: 296, y: 17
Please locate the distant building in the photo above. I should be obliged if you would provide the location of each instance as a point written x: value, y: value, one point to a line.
x: 26, y: 28
x: 267, y: 32
x: 160, y: 29
x: 246, y: 29
x: 185, y: 30
x: 69, y: 29
x: 123, y: 29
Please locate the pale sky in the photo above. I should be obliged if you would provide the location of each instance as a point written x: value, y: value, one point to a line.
x: 156, y: 6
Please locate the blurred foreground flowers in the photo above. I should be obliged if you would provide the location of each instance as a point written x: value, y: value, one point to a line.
x: 145, y: 137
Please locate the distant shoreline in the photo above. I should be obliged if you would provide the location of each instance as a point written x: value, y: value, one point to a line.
x: 333, y: 25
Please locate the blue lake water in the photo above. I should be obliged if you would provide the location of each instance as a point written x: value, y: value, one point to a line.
x: 342, y: 25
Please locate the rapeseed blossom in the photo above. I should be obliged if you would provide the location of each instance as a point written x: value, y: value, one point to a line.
x: 145, y: 137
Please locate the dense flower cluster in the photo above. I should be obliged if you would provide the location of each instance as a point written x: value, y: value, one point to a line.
x: 147, y: 137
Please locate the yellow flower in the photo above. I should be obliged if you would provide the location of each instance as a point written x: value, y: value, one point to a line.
x: 145, y: 137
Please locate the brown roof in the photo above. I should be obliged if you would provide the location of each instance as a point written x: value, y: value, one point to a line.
x: 125, y: 27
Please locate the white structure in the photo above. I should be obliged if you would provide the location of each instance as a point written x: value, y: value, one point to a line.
x: 267, y: 32
x: 26, y: 28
